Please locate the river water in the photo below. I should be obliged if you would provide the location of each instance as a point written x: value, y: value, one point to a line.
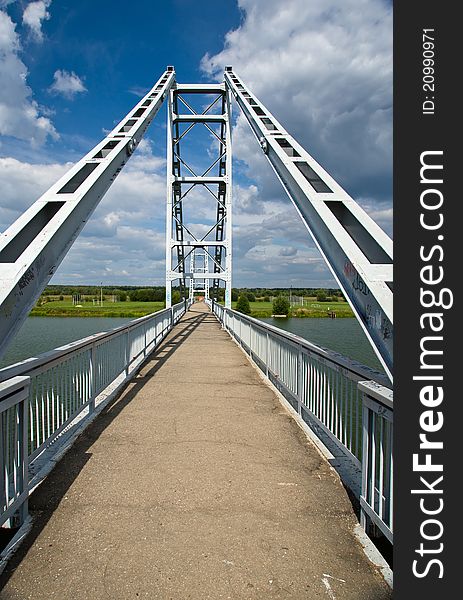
x: 342, y: 335
x: 40, y: 334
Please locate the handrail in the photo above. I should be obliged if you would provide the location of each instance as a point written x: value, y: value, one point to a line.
x: 361, y: 370
x: 64, y: 386
x: 30, y: 364
x: 14, y: 411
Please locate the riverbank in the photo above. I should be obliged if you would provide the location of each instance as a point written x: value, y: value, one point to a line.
x: 314, y: 310
x: 63, y: 308
x: 133, y: 310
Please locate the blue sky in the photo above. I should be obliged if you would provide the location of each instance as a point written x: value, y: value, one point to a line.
x: 70, y: 70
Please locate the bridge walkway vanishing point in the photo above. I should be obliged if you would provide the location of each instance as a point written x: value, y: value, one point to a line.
x: 194, y: 483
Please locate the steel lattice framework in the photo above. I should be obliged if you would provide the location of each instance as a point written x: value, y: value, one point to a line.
x: 185, y: 184
x: 355, y: 248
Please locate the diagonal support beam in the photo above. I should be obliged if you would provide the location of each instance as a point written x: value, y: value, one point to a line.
x: 356, y: 249
x: 32, y: 248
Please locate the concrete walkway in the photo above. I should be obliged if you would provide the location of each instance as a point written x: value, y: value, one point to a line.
x: 194, y: 484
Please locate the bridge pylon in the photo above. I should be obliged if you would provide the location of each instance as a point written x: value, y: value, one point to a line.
x: 199, y: 179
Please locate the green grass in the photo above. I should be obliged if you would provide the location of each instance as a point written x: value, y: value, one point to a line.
x: 311, y: 308
x: 65, y: 308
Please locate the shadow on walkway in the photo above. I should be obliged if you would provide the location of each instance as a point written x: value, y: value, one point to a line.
x: 46, y: 498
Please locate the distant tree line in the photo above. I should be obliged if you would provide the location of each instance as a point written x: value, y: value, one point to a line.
x: 121, y: 294
x: 265, y: 294
x: 158, y: 293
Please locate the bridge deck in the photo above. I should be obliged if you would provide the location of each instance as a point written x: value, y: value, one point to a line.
x: 194, y: 483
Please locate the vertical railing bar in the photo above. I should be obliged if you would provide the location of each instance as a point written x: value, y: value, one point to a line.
x: 322, y: 394
x: 336, y: 392
x: 60, y: 396
x: 345, y: 401
x: 391, y: 481
x: 15, y: 447
x: 48, y: 405
x: 51, y: 401
x: 381, y: 464
x: 24, y: 407
x: 351, y: 411
x: 365, y: 463
x: 3, y: 488
x: 6, y: 472
x: 373, y: 461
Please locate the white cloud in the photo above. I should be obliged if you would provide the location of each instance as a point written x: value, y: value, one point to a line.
x: 20, y: 115
x: 139, y: 91
x: 67, y: 84
x: 22, y: 183
x: 34, y: 15
x: 324, y: 69
x: 124, y: 240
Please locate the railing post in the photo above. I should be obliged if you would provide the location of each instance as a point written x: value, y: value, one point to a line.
x: 376, y: 501
x: 299, y: 380
x: 127, y: 352
x: 24, y: 444
x: 365, y: 460
x: 267, y: 353
x: 14, y: 396
x: 93, y: 387
x: 144, y: 343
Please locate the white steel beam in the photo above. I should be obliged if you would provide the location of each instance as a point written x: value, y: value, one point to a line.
x: 356, y: 249
x: 200, y: 179
x: 32, y: 248
x: 190, y: 118
x: 198, y: 243
x: 200, y: 88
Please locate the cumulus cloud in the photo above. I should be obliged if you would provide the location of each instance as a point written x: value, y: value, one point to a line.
x: 324, y: 69
x: 34, y: 15
x: 22, y: 183
x: 67, y: 84
x: 20, y: 115
x: 123, y: 241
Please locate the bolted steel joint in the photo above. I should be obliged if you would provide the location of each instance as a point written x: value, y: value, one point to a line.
x: 131, y: 146
x: 264, y: 145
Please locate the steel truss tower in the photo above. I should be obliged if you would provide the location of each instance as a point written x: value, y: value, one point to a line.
x: 199, y: 189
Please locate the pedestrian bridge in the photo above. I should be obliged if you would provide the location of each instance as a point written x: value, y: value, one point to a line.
x: 164, y: 460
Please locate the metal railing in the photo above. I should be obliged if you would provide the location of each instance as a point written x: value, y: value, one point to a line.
x: 329, y: 392
x: 64, y: 387
x: 377, y: 473
x: 14, y: 396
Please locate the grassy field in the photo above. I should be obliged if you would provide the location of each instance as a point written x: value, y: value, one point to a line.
x: 65, y: 308
x: 311, y: 308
